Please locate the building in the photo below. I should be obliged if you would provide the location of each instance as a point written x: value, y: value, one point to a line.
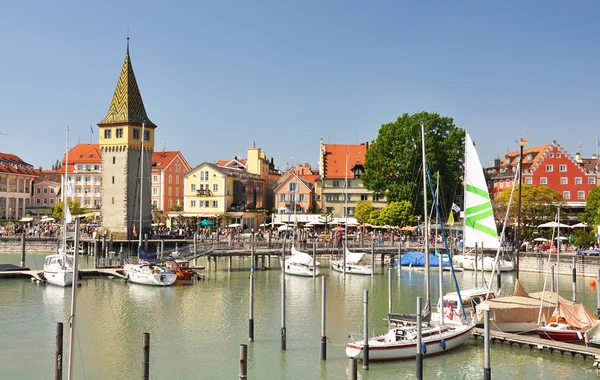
x: 84, y: 174
x: 340, y: 188
x: 16, y: 185
x: 46, y: 191
x: 546, y: 165
x: 168, y: 170
x: 126, y: 167
x: 298, y: 182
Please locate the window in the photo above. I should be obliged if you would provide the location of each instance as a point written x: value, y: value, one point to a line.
x: 193, y: 187
x: 282, y: 197
x: 170, y: 179
x: 170, y: 203
x: 45, y: 201
x: 155, y: 191
x: 336, y: 183
x: 176, y: 191
x: 301, y: 197
x: 558, y: 155
x: 88, y: 179
x: 119, y: 133
x: 45, y: 190
x: 292, y: 186
x: 578, y: 181
x: 170, y: 193
x: 114, y: 160
x: 38, y: 201
x: 113, y: 179
x: 146, y: 135
x: 113, y: 200
x: 215, y: 187
x: 78, y: 190
x: 551, y: 155
x: 51, y: 201
x: 97, y: 191
x: 564, y: 180
x: 136, y: 134
x: 96, y: 167
x: 566, y: 195
x: 376, y: 198
x: 88, y: 203
x: 495, y: 184
x: 78, y: 179
x: 501, y: 184
x: 528, y: 180
x: 79, y: 167
x: 192, y: 203
x: 88, y: 167
x: 591, y: 180
x: 215, y: 204
x: 581, y: 195
x: 543, y: 180
x: 51, y: 191
x: 155, y: 178
x: 38, y: 190
x: 155, y: 203
x: 107, y: 133
x: 562, y: 168
x: 177, y: 180
x: 332, y: 197
x: 364, y: 197
x: 206, y: 204
x: 549, y: 168
x: 508, y: 183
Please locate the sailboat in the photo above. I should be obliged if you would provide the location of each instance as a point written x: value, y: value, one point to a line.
x: 400, y: 342
x: 299, y: 263
x: 479, y: 226
x: 58, y: 268
x: 353, y: 262
x: 148, y: 270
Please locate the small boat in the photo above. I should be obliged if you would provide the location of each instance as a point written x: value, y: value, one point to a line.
x: 58, y: 269
x: 569, y: 323
x: 301, y: 264
x: 401, y: 342
x: 181, y: 268
x: 356, y: 263
x: 453, y: 312
x: 148, y: 271
x: 485, y: 264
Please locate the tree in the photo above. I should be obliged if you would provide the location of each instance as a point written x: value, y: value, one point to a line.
x: 177, y: 207
x: 591, y: 213
x: 74, y: 207
x: 363, y: 211
x: 374, y: 217
x: 537, y: 204
x: 396, y: 213
x: 393, y: 163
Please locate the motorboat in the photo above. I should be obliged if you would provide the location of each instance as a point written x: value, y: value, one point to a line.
x: 181, y: 268
x: 485, y: 263
x: 58, y: 269
x: 401, y: 342
x: 149, y: 271
x: 301, y: 264
x: 356, y: 263
x: 569, y: 323
x: 453, y: 312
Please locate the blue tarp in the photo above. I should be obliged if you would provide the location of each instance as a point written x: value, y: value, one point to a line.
x: 149, y: 257
x: 417, y: 259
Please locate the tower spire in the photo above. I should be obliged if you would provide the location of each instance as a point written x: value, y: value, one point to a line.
x: 127, y: 41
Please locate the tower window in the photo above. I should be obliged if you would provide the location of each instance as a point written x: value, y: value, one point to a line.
x: 113, y: 179
x: 107, y: 133
x: 113, y: 200
x: 136, y: 133
x: 114, y: 160
x: 119, y: 133
x: 146, y: 135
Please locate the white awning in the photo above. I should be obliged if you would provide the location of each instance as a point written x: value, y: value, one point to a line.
x: 25, y: 219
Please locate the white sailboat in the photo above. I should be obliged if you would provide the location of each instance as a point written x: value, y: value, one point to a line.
x: 147, y: 270
x: 58, y: 268
x: 401, y: 342
x: 480, y: 225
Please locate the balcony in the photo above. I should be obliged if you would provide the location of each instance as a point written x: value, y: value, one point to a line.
x: 204, y: 193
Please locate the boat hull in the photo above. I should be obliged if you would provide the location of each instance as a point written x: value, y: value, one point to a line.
x: 141, y: 274
x: 487, y: 264
x: 408, y: 350
x: 560, y: 336
x: 59, y: 278
x: 338, y: 266
x: 301, y: 270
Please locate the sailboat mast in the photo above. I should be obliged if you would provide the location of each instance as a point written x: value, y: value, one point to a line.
x: 141, y: 186
x: 558, y: 255
x: 65, y: 189
x: 426, y: 219
x: 439, y: 254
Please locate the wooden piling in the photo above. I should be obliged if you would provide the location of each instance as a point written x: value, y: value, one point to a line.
x: 487, y: 371
x: 283, y: 329
x: 251, y: 317
x: 366, y: 331
x: 574, y: 280
x: 323, y: 318
x: 23, y: 249
x: 352, y: 369
x: 419, y: 347
x: 195, y: 249
x: 59, y: 352
x: 476, y: 253
x: 598, y: 293
x: 389, y: 291
x: 146, y: 356
x: 243, y: 362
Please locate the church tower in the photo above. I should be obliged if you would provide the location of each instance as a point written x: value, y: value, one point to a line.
x: 120, y: 140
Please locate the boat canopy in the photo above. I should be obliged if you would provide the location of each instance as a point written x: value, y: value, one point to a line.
x: 575, y: 315
x: 353, y: 257
x: 417, y: 259
x: 300, y: 257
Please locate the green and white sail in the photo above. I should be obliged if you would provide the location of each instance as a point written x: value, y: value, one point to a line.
x: 480, y: 224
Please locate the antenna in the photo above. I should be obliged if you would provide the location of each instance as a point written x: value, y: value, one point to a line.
x: 164, y: 146
x: 579, y: 146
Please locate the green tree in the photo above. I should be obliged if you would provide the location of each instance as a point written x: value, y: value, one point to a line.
x: 396, y: 213
x: 74, y: 207
x: 591, y: 213
x: 177, y: 207
x: 393, y: 163
x: 362, y: 211
x: 538, y: 204
x: 374, y: 217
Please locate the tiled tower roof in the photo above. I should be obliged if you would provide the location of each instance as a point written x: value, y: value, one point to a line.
x: 127, y: 106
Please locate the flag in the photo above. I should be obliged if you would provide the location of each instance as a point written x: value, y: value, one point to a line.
x: 522, y: 141
x: 598, y: 142
x: 455, y: 207
x: 134, y: 231
x: 69, y: 189
x: 91, y: 129
x: 451, y: 219
x: 68, y: 216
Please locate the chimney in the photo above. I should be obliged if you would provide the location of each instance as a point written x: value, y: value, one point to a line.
x: 497, y: 163
x: 578, y: 157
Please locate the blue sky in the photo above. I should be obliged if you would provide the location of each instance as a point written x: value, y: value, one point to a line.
x: 217, y: 75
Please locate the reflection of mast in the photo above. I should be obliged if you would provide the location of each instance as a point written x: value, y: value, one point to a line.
x: 345, y: 211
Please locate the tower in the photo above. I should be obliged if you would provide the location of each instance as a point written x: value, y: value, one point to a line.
x: 120, y: 140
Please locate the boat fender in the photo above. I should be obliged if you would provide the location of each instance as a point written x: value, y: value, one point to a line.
x: 423, y: 348
x: 443, y: 344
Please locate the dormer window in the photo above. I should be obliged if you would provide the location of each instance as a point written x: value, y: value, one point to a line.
x: 107, y: 133
x: 358, y: 170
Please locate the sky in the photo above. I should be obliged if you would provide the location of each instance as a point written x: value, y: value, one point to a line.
x: 216, y: 76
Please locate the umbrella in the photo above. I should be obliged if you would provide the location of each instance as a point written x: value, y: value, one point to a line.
x: 285, y: 227
x: 205, y: 223
x: 553, y: 225
x: 579, y: 225
x: 366, y: 225
x: 314, y: 223
x: 561, y: 238
x: 234, y: 225
x: 408, y: 228
x: 338, y: 228
x: 540, y: 239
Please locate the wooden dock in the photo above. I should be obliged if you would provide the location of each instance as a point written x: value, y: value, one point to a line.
x: 33, y: 274
x: 541, y: 345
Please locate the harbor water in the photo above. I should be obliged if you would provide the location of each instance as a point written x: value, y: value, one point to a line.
x: 196, y: 328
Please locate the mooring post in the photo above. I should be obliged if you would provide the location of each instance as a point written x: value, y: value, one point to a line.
x: 59, y: 351
x: 352, y: 369
x: 314, y: 261
x: 366, y: 332
x: 476, y: 253
x: 243, y: 362
x: 252, y: 259
x: 110, y: 244
x: 162, y: 246
x: 103, y: 253
x: 487, y: 371
x: 574, y: 280
x: 95, y: 248
x: 323, y: 318
x: 23, y: 250
x: 552, y: 279
x: 598, y: 292
x: 419, y: 348
x: 146, y: 356
x: 251, y: 318
x: 195, y: 249
x: 498, y: 279
x: 146, y: 243
x: 389, y: 291
x: 372, y: 260
x: 121, y: 258
x: 283, y: 331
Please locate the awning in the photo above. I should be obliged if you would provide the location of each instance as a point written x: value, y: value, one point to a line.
x: 25, y: 219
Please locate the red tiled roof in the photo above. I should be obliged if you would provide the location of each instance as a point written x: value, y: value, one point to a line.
x: 163, y: 159
x: 84, y: 154
x: 335, y: 159
x: 530, y: 156
x: 10, y: 163
x: 311, y: 178
x: 225, y: 162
